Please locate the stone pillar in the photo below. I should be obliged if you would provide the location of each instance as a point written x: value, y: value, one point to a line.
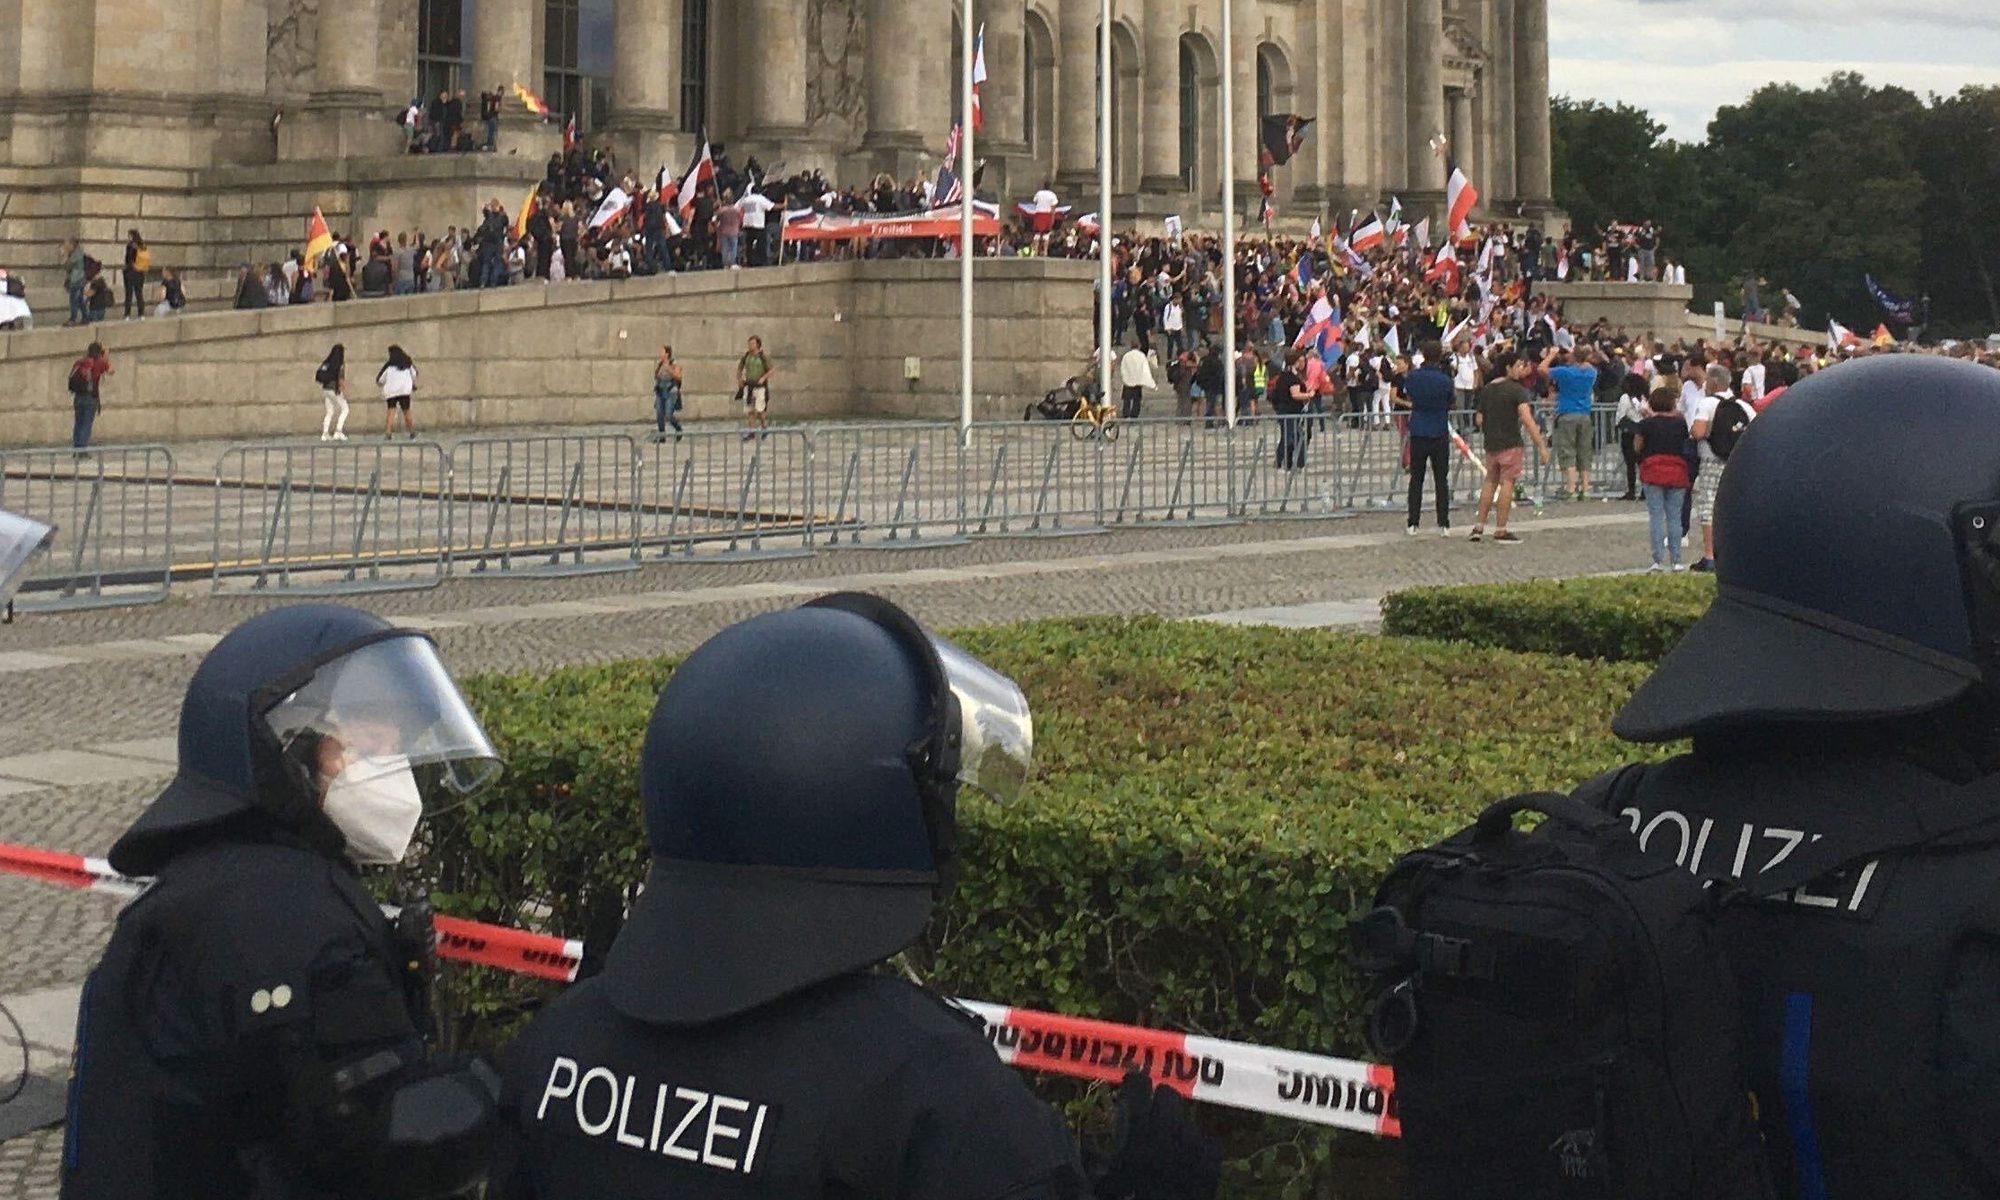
x: 1160, y: 164
x: 347, y: 115
x: 778, y: 71
x: 1076, y: 95
x: 1500, y: 102
x: 645, y: 82
x: 1426, y: 114
x: 1393, y: 128
x: 503, y: 54
x: 1531, y: 102
x: 1006, y: 133
x: 1464, y: 148
x: 894, y: 136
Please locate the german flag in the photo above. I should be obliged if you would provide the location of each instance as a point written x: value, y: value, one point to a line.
x: 530, y: 101
x: 318, y: 240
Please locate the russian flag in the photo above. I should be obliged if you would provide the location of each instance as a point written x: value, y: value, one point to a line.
x: 1322, y: 316
x: 1304, y: 270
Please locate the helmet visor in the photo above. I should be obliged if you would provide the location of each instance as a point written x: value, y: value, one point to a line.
x: 23, y: 543
x: 997, y: 746
x: 390, y: 701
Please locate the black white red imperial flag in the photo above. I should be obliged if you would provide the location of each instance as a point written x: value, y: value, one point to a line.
x: 1284, y: 136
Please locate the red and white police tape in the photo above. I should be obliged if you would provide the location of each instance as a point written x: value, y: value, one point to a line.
x: 1340, y: 1092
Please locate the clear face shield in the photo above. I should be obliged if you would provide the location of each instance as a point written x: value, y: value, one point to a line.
x: 23, y: 543
x: 385, y: 735
x: 996, y: 732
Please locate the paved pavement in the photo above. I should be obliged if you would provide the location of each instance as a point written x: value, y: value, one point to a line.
x: 89, y: 699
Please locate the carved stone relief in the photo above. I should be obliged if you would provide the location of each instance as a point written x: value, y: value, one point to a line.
x: 836, y: 92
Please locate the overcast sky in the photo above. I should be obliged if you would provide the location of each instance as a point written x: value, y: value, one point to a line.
x: 1683, y: 59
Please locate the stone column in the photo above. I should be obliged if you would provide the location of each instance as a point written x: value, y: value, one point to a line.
x: 1500, y: 102
x: 894, y: 136
x: 1393, y: 127
x: 1426, y: 106
x: 503, y: 54
x: 1000, y: 96
x: 1531, y: 102
x: 346, y: 115
x: 645, y: 81
x: 1160, y: 103
x: 1464, y: 149
x: 1076, y: 95
x: 778, y: 69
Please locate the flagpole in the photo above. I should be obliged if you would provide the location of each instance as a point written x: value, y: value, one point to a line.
x: 1104, y: 225
x: 965, y: 196
x: 1228, y: 218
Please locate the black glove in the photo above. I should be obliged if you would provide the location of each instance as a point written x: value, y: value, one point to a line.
x: 1157, y: 1153
x: 416, y: 941
x: 604, y: 916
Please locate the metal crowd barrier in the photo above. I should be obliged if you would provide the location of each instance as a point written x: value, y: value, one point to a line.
x: 552, y: 505
x: 889, y: 486
x: 332, y: 517
x: 724, y: 495
x: 113, y: 512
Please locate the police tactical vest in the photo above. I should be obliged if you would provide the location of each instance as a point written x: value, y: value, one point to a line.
x: 1870, y: 981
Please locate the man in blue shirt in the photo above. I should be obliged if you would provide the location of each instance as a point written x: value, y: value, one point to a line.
x: 1574, y: 438
x: 1427, y: 393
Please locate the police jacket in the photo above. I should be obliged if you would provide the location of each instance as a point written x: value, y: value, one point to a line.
x: 1871, y: 993
x: 244, y: 1036
x: 865, y: 1086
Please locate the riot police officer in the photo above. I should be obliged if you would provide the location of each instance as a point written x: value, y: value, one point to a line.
x: 255, y: 1028
x: 1843, y: 696
x: 800, y: 775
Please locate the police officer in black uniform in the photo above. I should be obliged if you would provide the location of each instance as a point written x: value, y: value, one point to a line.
x: 256, y: 1027
x: 1843, y: 694
x: 800, y: 775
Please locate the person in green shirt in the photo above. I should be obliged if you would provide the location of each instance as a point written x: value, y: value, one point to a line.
x: 753, y: 383
x: 73, y: 281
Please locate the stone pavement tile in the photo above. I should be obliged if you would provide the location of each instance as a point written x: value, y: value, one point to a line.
x: 15, y: 787
x: 68, y: 767
x: 127, y: 648
x: 202, y: 642
x: 29, y: 660
x: 1325, y: 614
x: 159, y: 749
x: 427, y: 624
x: 47, y: 1017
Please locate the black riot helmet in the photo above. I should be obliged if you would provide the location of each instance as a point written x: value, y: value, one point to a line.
x: 1857, y: 538
x: 800, y: 776
x: 301, y: 703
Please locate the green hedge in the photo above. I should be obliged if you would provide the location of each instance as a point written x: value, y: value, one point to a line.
x: 1211, y: 806
x: 1620, y: 618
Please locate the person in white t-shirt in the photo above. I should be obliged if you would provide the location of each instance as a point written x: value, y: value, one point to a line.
x: 756, y: 207
x: 1464, y: 372
x: 398, y: 378
x: 1753, y: 377
x: 1043, y: 208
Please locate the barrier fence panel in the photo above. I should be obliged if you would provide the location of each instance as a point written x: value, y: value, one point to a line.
x: 1170, y: 471
x: 546, y: 505
x: 888, y: 485
x: 1287, y: 467
x: 1036, y: 478
x: 725, y: 495
x: 332, y: 517
x: 1374, y: 469
x: 113, y: 512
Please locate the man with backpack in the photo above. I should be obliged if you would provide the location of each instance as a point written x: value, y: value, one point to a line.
x: 1715, y: 423
x: 85, y: 375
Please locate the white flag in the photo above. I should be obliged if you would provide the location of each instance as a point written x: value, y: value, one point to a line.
x: 1315, y: 231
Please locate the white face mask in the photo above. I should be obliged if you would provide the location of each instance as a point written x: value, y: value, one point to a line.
x: 375, y: 804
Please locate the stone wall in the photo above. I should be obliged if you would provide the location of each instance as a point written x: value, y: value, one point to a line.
x: 1661, y: 309
x: 540, y: 356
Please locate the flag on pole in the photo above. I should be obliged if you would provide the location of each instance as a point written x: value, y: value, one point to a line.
x: 978, y: 77
x: 1393, y: 341
x: 703, y: 171
x: 1395, y: 221
x: 569, y: 134
x: 1317, y: 321
x: 1313, y: 236
x: 949, y: 189
x: 318, y: 239
x: 1304, y: 269
x: 614, y: 205
x: 530, y: 101
x: 1883, y: 337
x: 1174, y: 228
x: 527, y: 210
x: 1460, y: 198
x: 1284, y: 136
x: 1424, y: 234
x: 1368, y: 235
x: 1840, y: 337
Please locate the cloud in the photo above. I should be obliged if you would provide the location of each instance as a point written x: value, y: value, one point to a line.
x: 1683, y: 59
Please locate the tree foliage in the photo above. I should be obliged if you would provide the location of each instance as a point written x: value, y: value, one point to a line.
x: 1812, y: 189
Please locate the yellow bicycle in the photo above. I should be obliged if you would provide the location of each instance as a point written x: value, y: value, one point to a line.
x: 1093, y: 420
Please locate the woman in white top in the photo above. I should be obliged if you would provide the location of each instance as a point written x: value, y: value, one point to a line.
x: 398, y: 378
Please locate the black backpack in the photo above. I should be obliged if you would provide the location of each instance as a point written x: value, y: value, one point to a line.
x: 327, y: 375
x: 1725, y: 429
x: 1559, y: 1017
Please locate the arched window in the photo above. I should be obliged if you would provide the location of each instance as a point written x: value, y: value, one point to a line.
x: 1038, y: 92
x: 1190, y: 140
x: 1263, y: 89
x: 694, y: 66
